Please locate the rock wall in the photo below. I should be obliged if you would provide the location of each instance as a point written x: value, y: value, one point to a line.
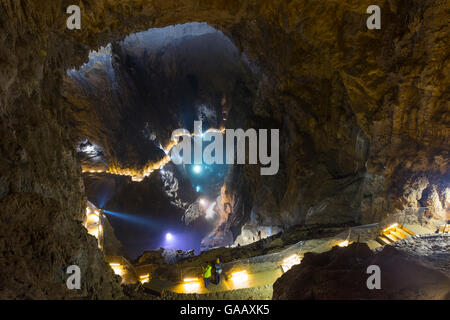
x: 255, y: 293
x: 42, y: 197
x: 111, y: 245
x: 341, y: 273
x: 363, y: 114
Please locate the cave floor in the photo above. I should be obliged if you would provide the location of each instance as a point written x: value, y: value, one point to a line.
x: 262, y: 278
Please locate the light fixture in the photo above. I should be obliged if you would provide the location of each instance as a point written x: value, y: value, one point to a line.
x: 197, y: 169
x: 343, y: 243
x: 144, y: 278
x: 169, y: 236
x: 191, y: 284
x: 117, y: 268
x: 290, y: 261
x: 239, y: 277
x: 93, y: 218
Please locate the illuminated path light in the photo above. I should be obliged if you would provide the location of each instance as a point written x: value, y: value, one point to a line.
x: 144, y: 278
x: 93, y: 223
x: 191, y: 284
x: 242, y: 275
x: 117, y: 268
x: 290, y: 261
x: 344, y: 243
x: 240, y: 279
x: 197, y: 169
x: 194, y: 283
x: 393, y: 233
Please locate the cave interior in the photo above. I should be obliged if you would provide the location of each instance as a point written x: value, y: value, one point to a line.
x: 90, y: 177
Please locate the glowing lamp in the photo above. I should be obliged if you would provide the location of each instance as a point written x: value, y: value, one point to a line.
x: 197, y: 169
x: 290, y: 261
x: 343, y: 243
x: 117, y: 268
x: 169, y: 236
x: 239, y: 277
x: 137, y: 178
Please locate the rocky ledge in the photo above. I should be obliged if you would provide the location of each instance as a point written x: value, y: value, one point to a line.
x: 407, y: 272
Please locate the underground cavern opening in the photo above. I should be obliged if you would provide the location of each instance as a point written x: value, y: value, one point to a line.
x: 125, y: 104
x: 362, y: 116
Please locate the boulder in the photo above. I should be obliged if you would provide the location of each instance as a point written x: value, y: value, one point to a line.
x: 341, y: 273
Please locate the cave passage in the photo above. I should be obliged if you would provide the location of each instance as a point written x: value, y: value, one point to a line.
x: 125, y: 101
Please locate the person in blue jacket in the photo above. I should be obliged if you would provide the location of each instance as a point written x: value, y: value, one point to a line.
x: 218, y: 269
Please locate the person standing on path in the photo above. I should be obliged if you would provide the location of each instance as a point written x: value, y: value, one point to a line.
x: 218, y: 268
x: 207, y: 274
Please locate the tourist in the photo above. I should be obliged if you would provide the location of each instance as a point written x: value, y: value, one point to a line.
x: 207, y: 274
x: 218, y: 268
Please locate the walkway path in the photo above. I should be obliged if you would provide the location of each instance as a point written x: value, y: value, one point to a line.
x: 254, y: 280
